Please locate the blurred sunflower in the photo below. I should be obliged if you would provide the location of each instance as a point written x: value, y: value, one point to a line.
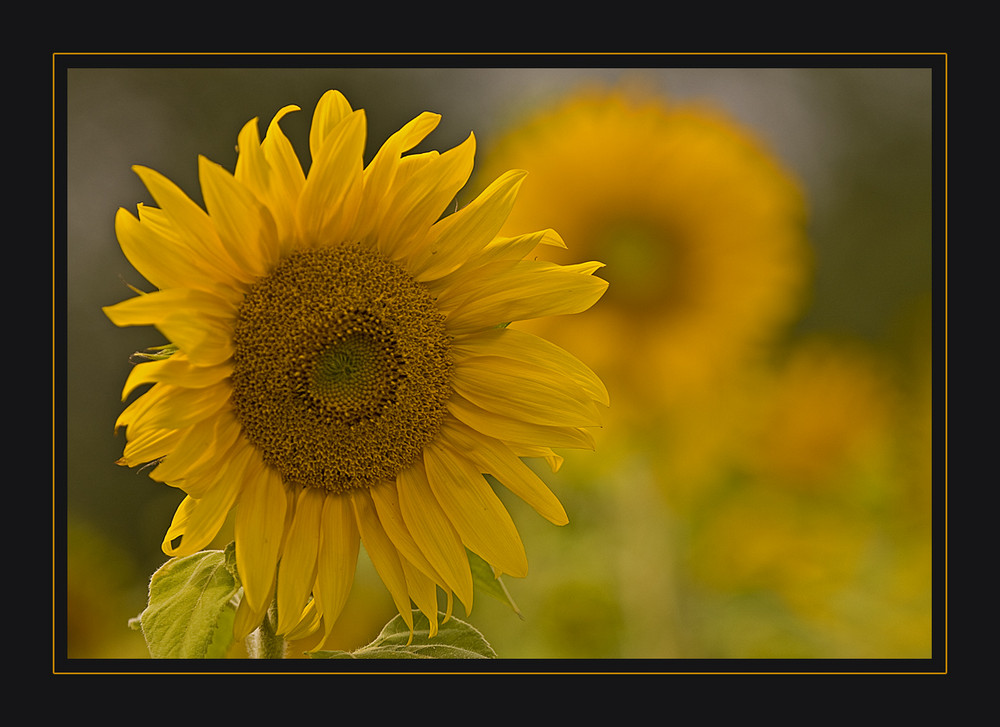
x: 702, y: 231
x: 822, y: 415
x: 818, y: 511
x: 812, y: 471
x: 340, y: 370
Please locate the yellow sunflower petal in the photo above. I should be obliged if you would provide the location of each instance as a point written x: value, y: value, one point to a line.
x: 515, y: 248
x: 260, y: 523
x: 423, y: 591
x: 244, y: 225
x: 496, y: 458
x: 139, y: 408
x: 506, y: 291
x: 255, y: 173
x: 206, y: 341
x: 462, y: 235
x: 414, y: 131
x: 156, y: 307
x: 149, y: 446
x: 510, y: 429
x: 197, y: 521
x: 187, y: 406
x: 419, y: 200
x: 178, y: 526
x: 200, y: 447
x: 338, y: 557
x: 331, y: 109
x: 434, y: 532
x: 382, y: 552
x: 529, y: 348
x: 286, y: 176
x: 474, y: 509
x: 177, y: 370
x: 160, y: 257
x: 329, y: 199
x: 500, y: 248
x: 297, y: 572
x: 380, y: 175
x: 309, y: 622
x: 192, y: 223
x: 185, y: 317
x: 252, y: 169
x: 386, y: 499
x: 521, y: 391
x: 553, y: 460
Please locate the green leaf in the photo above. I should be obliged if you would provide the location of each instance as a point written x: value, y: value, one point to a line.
x: 190, y: 612
x: 455, y: 639
x: 484, y: 577
x: 222, y: 637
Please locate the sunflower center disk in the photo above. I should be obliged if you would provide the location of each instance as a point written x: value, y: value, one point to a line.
x: 356, y: 376
x: 341, y: 369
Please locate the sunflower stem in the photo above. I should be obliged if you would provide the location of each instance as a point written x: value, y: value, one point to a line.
x: 264, y: 643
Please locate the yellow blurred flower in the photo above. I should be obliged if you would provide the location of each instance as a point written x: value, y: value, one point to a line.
x: 822, y: 415
x: 700, y: 227
x: 818, y: 509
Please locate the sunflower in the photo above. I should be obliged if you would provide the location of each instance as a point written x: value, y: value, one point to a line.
x: 340, y: 367
x: 701, y: 228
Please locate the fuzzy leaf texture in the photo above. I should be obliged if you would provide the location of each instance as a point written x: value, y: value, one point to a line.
x: 190, y: 611
x: 455, y: 639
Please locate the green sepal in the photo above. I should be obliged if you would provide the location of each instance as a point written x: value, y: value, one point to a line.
x: 156, y: 353
x: 192, y: 604
x: 455, y: 639
x: 486, y: 580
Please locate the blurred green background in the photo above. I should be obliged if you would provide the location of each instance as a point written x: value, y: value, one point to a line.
x: 634, y: 574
